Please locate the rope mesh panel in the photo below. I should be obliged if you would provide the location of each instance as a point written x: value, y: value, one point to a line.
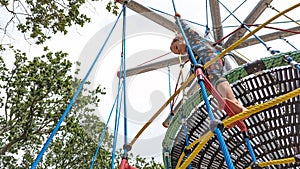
x: 274, y: 133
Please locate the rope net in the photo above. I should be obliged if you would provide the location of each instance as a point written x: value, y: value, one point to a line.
x: 274, y: 132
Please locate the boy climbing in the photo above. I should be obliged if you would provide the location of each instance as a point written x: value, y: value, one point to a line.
x: 204, y: 52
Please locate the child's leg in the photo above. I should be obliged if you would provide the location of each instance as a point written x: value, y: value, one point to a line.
x: 225, y: 91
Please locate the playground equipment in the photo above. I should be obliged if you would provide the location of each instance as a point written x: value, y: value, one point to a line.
x: 273, y: 132
x: 266, y: 134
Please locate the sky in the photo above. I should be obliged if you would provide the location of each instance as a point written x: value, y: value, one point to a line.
x: 146, y: 40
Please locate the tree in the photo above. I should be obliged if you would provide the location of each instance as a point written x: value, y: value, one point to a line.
x: 33, y: 96
x: 39, y: 19
x: 35, y: 92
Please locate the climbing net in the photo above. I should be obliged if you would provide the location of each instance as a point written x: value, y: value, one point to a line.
x: 272, y: 131
x: 199, y: 144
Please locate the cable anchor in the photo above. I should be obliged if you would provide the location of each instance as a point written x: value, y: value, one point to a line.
x: 297, y: 158
x: 254, y: 165
x: 290, y: 61
x: 272, y: 51
x: 127, y: 147
x: 216, y: 123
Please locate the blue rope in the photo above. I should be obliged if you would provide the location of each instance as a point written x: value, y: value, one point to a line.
x: 124, y: 78
x: 273, y: 23
x: 166, y: 153
x: 117, y: 118
x: 117, y: 121
x: 234, y: 11
x: 172, y: 15
x: 293, y: 63
x: 217, y: 130
x: 247, y: 28
x: 250, y: 148
x: 205, y: 98
x: 170, y: 92
x: 289, y: 59
x: 189, y: 49
x: 224, y: 148
x: 288, y: 42
x: 186, y: 137
x: 207, y: 28
x: 46, y: 145
x: 103, y: 133
x: 206, y: 9
x: 160, y: 11
x: 167, y: 162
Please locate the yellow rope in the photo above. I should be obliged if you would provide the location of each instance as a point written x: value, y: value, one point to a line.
x: 205, y: 138
x: 284, y: 14
x: 251, y: 110
x: 182, y: 80
x: 190, y: 146
x: 180, y: 66
x: 276, y: 162
x: 162, y: 108
x: 180, y: 159
x: 247, y: 36
x: 243, y: 56
x: 183, y: 101
x: 254, y: 109
x: 205, y: 66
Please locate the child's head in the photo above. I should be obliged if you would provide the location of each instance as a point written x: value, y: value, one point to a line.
x: 178, y: 46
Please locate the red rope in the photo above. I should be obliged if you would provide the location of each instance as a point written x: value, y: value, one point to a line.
x: 175, y: 100
x: 283, y: 30
x: 154, y: 59
x: 219, y: 41
x: 220, y: 100
x: 124, y: 165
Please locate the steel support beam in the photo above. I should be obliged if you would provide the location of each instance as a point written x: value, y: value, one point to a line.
x: 146, y: 12
x: 154, y: 66
x: 250, y: 19
x: 216, y: 19
x: 166, y: 23
x: 268, y: 37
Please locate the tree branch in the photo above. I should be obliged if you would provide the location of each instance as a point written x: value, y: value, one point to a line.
x: 5, y: 148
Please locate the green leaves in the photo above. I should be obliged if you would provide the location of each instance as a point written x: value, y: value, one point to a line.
x: 112, y: 7
x: 4, y: 2
x: 39, y: 19
x: 35, y: 92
